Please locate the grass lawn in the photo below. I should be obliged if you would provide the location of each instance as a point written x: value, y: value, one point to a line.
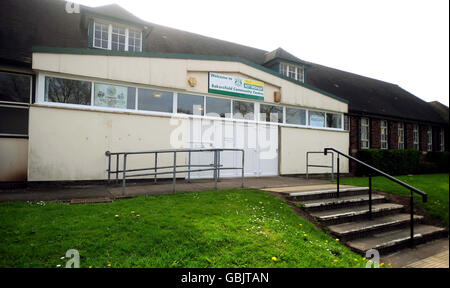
x: 232, y: 228
x: 435, y: 185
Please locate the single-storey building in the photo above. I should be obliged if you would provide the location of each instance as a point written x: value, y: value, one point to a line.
x: 78, y: 83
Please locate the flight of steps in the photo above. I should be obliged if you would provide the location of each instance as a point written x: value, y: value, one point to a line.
x: 347, y: 219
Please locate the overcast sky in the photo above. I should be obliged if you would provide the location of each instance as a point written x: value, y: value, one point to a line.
x: 405, y: 42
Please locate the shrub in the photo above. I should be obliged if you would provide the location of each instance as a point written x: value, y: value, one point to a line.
x: 435, y: 162
x: 394, y: 162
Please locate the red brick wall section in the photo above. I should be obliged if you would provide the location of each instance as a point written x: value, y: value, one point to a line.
x: 375, y: 134
x: 393, y: 135
x: 409, y: 135
x: 423, y: 138
x: 354, y: 135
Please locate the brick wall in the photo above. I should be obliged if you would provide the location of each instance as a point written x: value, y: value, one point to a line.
x: 423, y: 137
x: 375, y: 133
x: 393, y: 135
x: 409, y: 136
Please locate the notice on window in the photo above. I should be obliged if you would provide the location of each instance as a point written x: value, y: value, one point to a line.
x: 316, y: 121
x: 110, y: 96
x: 235, y: 86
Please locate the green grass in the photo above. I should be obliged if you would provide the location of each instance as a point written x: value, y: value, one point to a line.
x: 435, y: 185
x: 233, y: 228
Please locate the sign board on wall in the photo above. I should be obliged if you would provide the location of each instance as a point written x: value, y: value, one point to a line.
x: 110, y: 96
x: 235, y: 86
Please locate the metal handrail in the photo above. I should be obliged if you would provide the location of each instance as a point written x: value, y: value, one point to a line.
x: 319, y: 166
x: 409, y: 187
x: 216, y: 166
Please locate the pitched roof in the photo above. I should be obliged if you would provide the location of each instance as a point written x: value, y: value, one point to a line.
x: 371, y: 96
x: 280, y: 53
x: 19, y: 32
x: 441, y: 109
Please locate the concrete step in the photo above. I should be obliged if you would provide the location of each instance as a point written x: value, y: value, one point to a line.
x: 337, y: 216
x: 391, y: 241
x: 362, y: 228
x: 341, y: 202
x: 327, y: 193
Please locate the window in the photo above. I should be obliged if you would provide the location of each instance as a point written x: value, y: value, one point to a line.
x: 118, y: 39
x: 134, y: 41
x: 365, y: 143
x: 442, y: 139
x: 15, y: 88
x: 430, y: 139
x: 218, y: 107
x: 243, y: 110
x: 295, y: 116
x: 316, y: 119
x: 334, y: 120
x: 13, y: 120
x: 346, y: 123
x: 416, y: 137
x: 101, y: 35
x: 292, y: 71
x: 384, y: 134
x: 113, y: 96
x: 269, y: 113
x: 190, y: 104
x: 401, y: 136
x: 154, y: 100
x: 60, y: 90
x: 115, y: 37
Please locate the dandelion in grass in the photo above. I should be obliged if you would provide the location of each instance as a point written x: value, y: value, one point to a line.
x: 90, y: 267
x: 381, y: 264
x: 274, y: 259
x: 109, y: 265
x: 389, y: 264
x: 335, y: 261
x: 117, y: 215
x: 133, y: 212
x: 337, y: 240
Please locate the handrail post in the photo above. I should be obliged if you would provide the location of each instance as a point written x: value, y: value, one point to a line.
x: 243, y: 172
x: 412, y: 219
x: 215, y: 169
x: 189, y: 166
x: 156, y: 167
x: 109, y: 167
x: 370, y: 197
x: 124, y: 180
x: 174, y: 180
x: 338, y: 174
x: 307, y: 165
x: 332, y: 166
x: 219, y: 165
x: 117, y: 168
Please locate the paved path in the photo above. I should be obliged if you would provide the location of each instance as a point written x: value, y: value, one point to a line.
x: 430, y: 255
x: 68, y: 193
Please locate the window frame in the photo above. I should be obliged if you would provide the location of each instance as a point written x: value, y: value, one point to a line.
x: 366, y: 126
x: 298, y: 71
x: 110, y: 32
x: 385, y: 134
x: 416, y: 137
x: 430, y: 139
x: 401, y: 135
x: 40, y: 99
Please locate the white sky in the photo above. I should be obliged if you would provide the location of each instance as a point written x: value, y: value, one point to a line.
x: 405, y: 42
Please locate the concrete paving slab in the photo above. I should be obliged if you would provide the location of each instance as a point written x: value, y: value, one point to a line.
x: 306, y: 188
x: 433, y: 252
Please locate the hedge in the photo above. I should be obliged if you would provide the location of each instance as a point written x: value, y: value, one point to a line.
x: 394, y: 162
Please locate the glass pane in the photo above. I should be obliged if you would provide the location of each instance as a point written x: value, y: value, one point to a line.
x: 107, y: 95
x: 60, y: 90
x: 217, y: 107
x: 334, y: 121
x: 15, y: 87
x: 13, y: 120
x: 243, y: 110
x: 295, y: 116
x: 190, y: 104
x: 153, y: 100
x: 271, y: 113
x: 316, y: 119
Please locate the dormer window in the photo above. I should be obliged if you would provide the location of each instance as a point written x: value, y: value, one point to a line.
x: 292, y: 71
x: 116, y: 37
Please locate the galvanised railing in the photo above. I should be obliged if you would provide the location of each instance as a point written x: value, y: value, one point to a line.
x: 393, y: 179
x: 319, y: 166
x: 173, y: 170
